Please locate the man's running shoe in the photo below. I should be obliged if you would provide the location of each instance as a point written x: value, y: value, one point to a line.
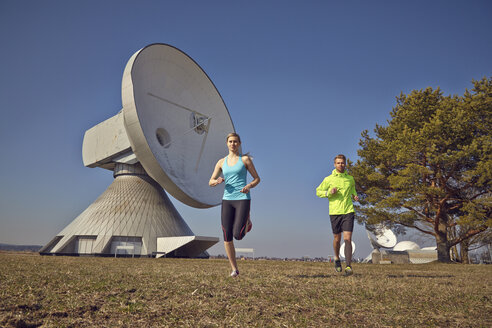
x: 235, y: 273
x: 348, y: 271
x: 338, y: 266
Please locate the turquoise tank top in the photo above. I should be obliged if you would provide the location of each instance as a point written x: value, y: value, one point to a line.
x: 235, y: 180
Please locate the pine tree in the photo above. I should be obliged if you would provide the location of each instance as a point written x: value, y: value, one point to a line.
x: 430, y: 168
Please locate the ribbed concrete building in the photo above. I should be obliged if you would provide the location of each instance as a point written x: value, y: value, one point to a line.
x: 129, y: 218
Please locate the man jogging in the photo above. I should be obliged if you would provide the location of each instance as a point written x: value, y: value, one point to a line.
x: 339, y: 188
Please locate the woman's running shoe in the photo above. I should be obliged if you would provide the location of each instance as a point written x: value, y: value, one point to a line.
x: 250, y: 225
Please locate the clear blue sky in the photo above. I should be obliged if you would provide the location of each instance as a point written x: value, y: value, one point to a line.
x: 301, y: 79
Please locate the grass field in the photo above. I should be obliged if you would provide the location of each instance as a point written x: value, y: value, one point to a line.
x: 48, y: 291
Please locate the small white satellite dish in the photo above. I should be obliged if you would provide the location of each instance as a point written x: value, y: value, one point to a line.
x: 406, y: 245
x: 342, y: 249
x: 381, y: 237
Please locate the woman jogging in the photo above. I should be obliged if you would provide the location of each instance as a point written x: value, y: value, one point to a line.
x: 236, y: 200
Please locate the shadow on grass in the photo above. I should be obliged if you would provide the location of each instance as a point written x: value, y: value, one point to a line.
x: 417, y: 276
x: 306, y: 276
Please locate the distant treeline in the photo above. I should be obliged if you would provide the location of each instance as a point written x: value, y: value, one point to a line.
x: 20, y: 248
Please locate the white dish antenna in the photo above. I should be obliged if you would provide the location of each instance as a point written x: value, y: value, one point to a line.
x: 176, y: 122
x: 171, y: 130
x: 381, y: 237
x: 342, y: 249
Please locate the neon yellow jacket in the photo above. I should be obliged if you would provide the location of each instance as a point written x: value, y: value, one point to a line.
x: 341, y: 201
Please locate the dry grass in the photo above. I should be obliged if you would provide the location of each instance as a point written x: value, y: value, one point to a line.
x: 52, y: 291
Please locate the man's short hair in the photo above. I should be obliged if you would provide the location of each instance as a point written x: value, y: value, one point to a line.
x: 341, y: 157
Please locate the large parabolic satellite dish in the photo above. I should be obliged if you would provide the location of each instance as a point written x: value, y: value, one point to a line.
x: 169, y: 134
x: 176, y: 121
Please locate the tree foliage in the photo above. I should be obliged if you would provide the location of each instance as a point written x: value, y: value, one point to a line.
x: 430, y: 168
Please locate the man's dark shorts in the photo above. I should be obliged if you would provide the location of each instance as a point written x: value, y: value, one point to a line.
x: 343, y: 222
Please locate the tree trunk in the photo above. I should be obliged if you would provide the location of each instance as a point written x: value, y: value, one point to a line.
x: 464, y: 246
x: 443, y: 252
x: 453, y: 254
x: 442, y: 244
x: 453, y: 251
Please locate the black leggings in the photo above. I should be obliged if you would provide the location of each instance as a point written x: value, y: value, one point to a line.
x: 235, y: 214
